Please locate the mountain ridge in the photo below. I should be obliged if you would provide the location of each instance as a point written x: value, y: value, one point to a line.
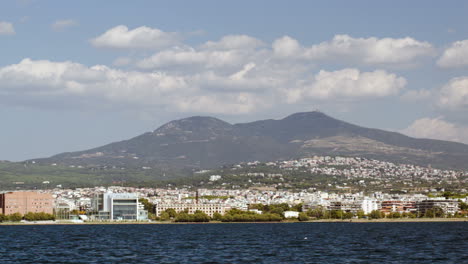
x: 207, y: 142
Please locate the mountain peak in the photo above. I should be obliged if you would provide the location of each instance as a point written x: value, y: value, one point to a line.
x: 194, y: 123
x: 207, y: 142
x: 307, y: 115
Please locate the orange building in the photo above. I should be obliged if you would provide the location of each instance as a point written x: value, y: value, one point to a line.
x: 24, y: 202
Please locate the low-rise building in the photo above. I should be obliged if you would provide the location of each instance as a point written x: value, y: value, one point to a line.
x: 447, y: 206
x: 291, y: 214
x: 398, y: 206
x: 208, y: 209
x: 26, y: 202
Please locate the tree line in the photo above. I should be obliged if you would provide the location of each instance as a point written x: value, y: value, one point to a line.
x: 16, y: 217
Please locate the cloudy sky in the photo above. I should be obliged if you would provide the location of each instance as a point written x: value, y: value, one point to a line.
x: 80, y: 74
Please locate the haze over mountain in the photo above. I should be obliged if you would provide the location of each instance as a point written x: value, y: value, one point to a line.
x: 207, y: 142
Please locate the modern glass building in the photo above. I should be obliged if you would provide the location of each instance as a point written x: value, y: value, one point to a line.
x: 118, y: 207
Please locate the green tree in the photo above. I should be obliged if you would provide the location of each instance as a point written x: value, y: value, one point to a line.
x: 360, y: 214
x: 3, y: 218
x: 347, y: 215
x: 164, y: 216
x: 172, y: 212
x: 297, y: 208
x: 147, y: 205
x: 318, y: 212
x: 16, y: 217
x: 200, y: 216
x: 463, y: 206
x: 336, y: 214
x: 303, y: 217
x: 217, y: 216
x: 375, y: 214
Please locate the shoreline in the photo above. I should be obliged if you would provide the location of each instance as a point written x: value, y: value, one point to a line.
x: 360, y: 221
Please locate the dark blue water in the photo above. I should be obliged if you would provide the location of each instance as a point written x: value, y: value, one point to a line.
x: 237, y: 243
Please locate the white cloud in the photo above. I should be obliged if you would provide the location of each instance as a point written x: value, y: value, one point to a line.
x: 437, y: 128
x: 349, y: 84
x: 245, y: 89
x: 287, y: 47
x: 138, y: 38
x: 32, y: 83
x: 190, y: 56
x: 455, y: 56
x: 454, y: 95
x: 231, y: 42
x: 230, y: 51
x: 6, y: 28
x: 61, y: 25
x: 372, y: 51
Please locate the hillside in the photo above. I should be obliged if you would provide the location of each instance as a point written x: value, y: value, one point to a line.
x: 207, y: 142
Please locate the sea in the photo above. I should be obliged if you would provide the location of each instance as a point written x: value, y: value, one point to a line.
x: 427, y: 242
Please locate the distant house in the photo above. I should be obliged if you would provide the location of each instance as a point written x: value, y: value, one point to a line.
x: 291, y: 214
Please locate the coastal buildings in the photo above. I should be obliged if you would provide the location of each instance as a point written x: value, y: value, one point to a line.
x: 191, y: 208
x: 446, y: 206
x: 118, y: 207
x: 26, y: 202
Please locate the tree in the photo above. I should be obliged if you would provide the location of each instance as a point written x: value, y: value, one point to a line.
x: 164, y: 216
x: 348, y: 215
x: 297, y: 208
x: 303, y: 217
x: 336, y: 214
x: 375, y: 214
x: 147, y: 205
x: 16, y: 217
x: 360, y: 214
x: 3, y: 218
x: 172, y: 212
x: 200, y: 216
x: 217, y: 216
x: 318, y: 212
x: 463, y: 206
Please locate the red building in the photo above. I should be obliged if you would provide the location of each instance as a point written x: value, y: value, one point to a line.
x: 398, y: 206
x: 25, y: 202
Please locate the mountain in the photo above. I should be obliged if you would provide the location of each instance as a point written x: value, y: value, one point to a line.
x: 207, y: 142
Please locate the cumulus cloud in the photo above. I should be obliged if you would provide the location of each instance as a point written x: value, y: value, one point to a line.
x: 61, y: 25
x: 6, y: 28
x: 454, y: 95
x: 138, y: 38
x: 349, y: 84
x: 287, y: 47
x: 437, y: 128
x: 247, y: 88
x: 371, y: 50
x: 455, y: 56
x: 35, y: 81
x: 231, y: 42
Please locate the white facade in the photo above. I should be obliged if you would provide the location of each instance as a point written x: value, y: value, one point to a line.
x: 120, y: 207
x: 208, y: 209
x: 369, y: 205
x: 291, y: 214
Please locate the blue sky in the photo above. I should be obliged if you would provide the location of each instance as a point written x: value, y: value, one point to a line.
x: 80, y: 74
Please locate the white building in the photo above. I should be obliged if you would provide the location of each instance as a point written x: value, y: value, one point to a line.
x: 208, y: 209
x: 119, y: 207
x: 291, y: 214
x: 369, y: 205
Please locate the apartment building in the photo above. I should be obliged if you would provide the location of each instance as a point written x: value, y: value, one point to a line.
x: 25, y: 202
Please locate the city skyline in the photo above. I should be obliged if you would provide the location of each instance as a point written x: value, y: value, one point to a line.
x: 79, y: 75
